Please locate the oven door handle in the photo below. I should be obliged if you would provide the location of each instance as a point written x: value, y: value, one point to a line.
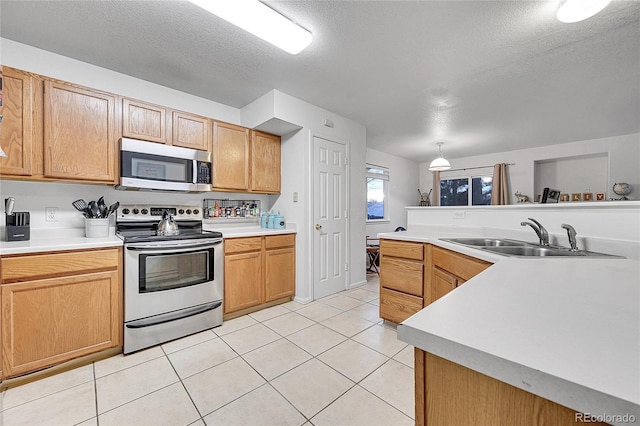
x: 176, y: 248
x: 173, y: 316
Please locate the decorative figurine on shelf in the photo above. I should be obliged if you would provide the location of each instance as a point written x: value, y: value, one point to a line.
x: 424, y: 198
x: 622, y: 189
x: 522, y: 198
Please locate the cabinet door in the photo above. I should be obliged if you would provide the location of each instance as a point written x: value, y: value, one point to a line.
x: 243, y: 281
x: 265, y: 162
x: 16, y: 128
x: 280, y: 273
x: 79, y: 133
x: 230, y: 154
x: 144, y: 121
x: 442, y: 282
x: 54, y: 320
x: 190, y: 131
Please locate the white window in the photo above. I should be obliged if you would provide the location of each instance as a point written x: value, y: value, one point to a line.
x: 473, y: 190
x: 377, y: 193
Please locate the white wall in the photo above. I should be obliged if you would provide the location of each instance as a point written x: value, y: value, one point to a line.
x: 403, y: 189
x: 297, y: 153
x: 623, y: 153
x: 49, y: 64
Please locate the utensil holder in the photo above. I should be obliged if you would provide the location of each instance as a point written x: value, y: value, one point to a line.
x: 96, y: 228
x: 18, y: 226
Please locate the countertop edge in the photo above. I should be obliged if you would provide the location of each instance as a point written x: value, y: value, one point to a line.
x: 572, y: 395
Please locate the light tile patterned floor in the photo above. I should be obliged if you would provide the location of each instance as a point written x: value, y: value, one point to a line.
x: 330, y: 362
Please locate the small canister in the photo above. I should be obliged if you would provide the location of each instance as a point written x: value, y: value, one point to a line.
x: 279, y: 222
x: 271, y: 220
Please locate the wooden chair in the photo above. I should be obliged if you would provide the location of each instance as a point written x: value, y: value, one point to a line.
x: 373, y: 253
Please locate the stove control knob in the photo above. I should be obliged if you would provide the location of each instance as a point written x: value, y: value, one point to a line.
x: 181, y: 211
x: 125, y: 211
x: 144, y: 211
x: 196, y: 211
x: 136, y: 211
x: 188, y: 211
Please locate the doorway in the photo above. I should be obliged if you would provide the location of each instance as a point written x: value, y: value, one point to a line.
x: 329, y: 217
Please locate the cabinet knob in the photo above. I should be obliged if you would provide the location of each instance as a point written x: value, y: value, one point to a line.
x: 318, y: 227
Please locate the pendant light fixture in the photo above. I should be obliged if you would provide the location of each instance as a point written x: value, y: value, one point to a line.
x: 571, y: 11
x: 439, y: 164
x: 260, y: 20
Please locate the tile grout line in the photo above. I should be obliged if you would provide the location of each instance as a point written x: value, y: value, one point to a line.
x: 183, y: 386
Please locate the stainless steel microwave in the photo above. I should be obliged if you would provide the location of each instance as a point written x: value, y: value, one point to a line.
x: 153, y: 166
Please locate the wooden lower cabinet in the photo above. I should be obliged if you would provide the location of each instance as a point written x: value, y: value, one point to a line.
x: 258, y: 270
x: 49, y: 317
x: 450, y: 270
x: 280, y: 273
x: 242, y: 281
x: 451, y: 394
x: 413, y: 275
x: 402, y: 272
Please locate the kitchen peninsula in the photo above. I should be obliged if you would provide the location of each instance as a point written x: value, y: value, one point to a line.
x: 529, y: 336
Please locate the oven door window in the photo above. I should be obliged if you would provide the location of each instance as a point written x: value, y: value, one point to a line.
x: 167, y: 271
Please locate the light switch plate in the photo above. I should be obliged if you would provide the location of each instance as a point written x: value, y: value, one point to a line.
x: 459, y: 215
x: 51, y: 214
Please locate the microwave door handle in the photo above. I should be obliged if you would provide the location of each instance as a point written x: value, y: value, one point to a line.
x: 194, y: 178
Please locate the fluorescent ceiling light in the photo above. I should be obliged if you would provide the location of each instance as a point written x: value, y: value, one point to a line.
x: 439, y: 164
x: 578, y: 10
x: 260, y: 20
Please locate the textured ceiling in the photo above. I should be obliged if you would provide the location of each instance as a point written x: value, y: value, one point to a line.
x: 482, y: 76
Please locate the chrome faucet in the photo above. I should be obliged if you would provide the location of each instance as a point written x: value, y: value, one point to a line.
x: 571, y: 232
x: 542, y: 233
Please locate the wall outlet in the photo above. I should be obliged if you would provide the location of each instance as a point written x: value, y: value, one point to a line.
x: 295, y: 197
x: 459, y: 215
x: 51, y: 214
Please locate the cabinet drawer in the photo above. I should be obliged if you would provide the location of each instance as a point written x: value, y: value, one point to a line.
x: 402, y: 249
x: 458, y: 264
x: 237, y: 245
x: 402, y: 275
x: 396, y: 306
x: 67, y: 263
x: 275, y: 241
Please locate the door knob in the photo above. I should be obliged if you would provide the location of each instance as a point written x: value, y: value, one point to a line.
x: 318, y: 227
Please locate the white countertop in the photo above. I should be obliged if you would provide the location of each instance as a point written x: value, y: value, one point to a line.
x: 246, y: 231
x: 58, y: 240
x: 567, y: 330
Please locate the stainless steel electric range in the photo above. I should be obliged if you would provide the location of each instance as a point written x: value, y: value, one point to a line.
x: 173, y: 284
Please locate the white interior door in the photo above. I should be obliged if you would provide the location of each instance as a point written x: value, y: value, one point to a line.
x: 330, y: 217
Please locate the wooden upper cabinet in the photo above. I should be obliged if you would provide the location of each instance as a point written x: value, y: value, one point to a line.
x: 16, y: 128
x: 79, y: 133
x: 265, y: 162
x: 191, y: 131
x: 144, y: 121
x: 230, y: 152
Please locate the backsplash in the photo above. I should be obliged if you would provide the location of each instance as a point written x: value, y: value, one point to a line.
x: 35, y: 197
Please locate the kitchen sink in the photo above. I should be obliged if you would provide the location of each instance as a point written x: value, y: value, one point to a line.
x: 485, y: 242
x: 544, y: 251
x: 522, y: 248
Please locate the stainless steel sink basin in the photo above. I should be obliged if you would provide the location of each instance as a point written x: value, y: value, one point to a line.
x: 485, y: 242
x: 540, y: 251
x: 523, y: 248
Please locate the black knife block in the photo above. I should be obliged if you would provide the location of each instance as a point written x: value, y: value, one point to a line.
x: 18, y: 226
